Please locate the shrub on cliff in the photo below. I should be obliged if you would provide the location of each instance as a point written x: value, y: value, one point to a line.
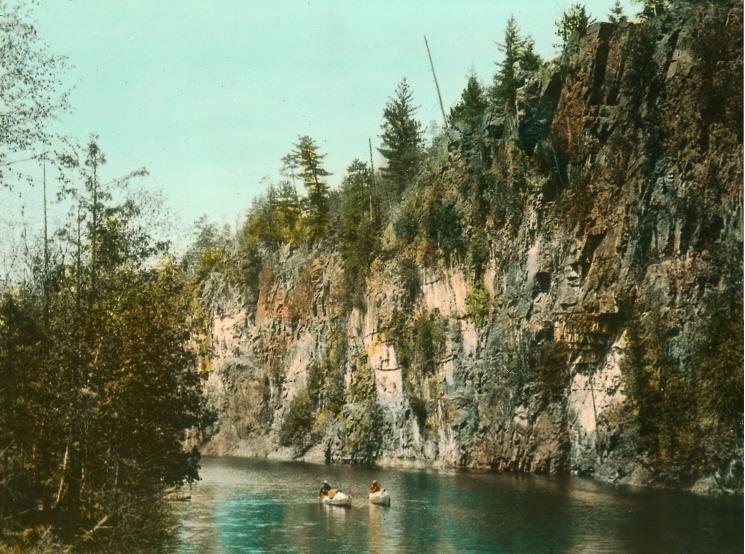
x: 477, y: 304
x: 298, y: 420
x: 359, y: 223
x: 361, y: 432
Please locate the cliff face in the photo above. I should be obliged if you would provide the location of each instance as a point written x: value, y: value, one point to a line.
x: 626, y: 242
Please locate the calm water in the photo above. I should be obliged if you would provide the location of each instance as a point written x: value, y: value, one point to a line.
x: 258, y: 506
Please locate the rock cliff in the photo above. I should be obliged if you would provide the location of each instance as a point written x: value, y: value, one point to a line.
x: 624, y: 166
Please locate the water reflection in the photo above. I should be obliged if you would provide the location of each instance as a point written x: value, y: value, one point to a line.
x: 250, y: 506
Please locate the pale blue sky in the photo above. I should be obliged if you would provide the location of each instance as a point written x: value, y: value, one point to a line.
x: 210, y: 95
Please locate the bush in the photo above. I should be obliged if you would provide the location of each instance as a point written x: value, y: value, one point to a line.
x: 361, y: 432
x: 477, y: 304
x: 298, y: 420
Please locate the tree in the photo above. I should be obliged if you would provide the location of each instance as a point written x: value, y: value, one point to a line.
x: 105, y: 386
x: 289, y: 167
x: 312, y: 172
x: 467, y: 116
x: 287, y: 212
x: 616, y: 14
x: 357, y: 225
x: 505, y: 84
x: 519, y: 52
x: 573, y: 24
x: 402, y: 138
x: 529, y: 58
x: 31, y: 92
x: 472, y: 105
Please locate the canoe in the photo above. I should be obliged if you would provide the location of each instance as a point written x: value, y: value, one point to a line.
x: 381, y: 498
x: 339, y: 499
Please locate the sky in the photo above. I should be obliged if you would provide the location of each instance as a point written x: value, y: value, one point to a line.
x: 210, y: 95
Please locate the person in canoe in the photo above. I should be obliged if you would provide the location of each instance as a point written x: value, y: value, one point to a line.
x: 378, y: 495
x: 325, y: 489
x: 335, y: 497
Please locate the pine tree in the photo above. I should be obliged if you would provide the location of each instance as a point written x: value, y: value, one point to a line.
x: 288, y: 212
x: 356, y: 226
x: 472, y: 105
x: 505, y: 82
x: 573, y: 24
x: 402, y: 138
x: 312, y: 172
x: 616, y: 14
x: 289, y: 167
x: 529, y: 58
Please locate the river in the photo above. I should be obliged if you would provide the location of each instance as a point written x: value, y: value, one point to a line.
x: 260, y: 506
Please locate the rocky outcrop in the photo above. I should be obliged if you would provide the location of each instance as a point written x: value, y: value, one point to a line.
x: 632, y: 214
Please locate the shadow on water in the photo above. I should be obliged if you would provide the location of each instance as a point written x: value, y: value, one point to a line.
x: 258, y: 506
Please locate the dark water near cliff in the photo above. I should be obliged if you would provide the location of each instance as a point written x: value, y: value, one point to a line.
x: 258, y: 506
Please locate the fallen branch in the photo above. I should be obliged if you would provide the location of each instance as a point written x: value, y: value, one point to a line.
x: 88, y: 535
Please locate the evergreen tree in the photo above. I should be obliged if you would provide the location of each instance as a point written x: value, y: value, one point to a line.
x: 289, y: 167
x: 573, y: 24
x: 505, y: 83
x: 616, y: 14
x: 97, y: 371
x: 467, y: 116
x: 356, y: 224
x: 310, y: 162
x: 519, y: 52
x: 472, y: 105
x: 402, y: 138
x: 288, y: 212
x: 529, y: 58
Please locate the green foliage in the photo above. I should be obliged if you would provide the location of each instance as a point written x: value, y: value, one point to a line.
x: 97, y: 368
x: 310, y: 162
x: 468, y: 117
x: 477, y: 254
x: 573, y: 24
x: 358, y: 226
x: 298, y: 420
x: 443, y: 228
x: 249, y: 261
x: 518, y: 52
x: 209, y: 250
x: 616, y: 14
x: 470, y: 109
x: 653, y: 8
x: 402, y: 139
x: 362, y: 387
x: 406, y: 225
x: 31, y: 92
x: 361, y: 432
x: 478, y: 304
x: 326, y: 381
x: 419, y: 342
